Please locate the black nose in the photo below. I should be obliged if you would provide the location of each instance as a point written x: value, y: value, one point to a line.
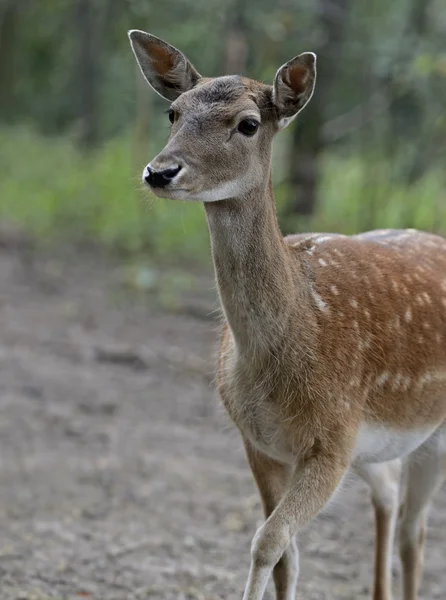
x: 159, y: 179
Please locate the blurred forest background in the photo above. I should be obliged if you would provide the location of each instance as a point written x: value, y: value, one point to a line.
x: 78, y: 123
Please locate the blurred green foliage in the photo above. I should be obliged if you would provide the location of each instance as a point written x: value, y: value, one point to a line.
x: 51, y: 187
x: 79, y: 123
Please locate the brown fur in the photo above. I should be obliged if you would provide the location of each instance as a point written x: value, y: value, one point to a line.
x: 324, y: 336
x: 332, y: 363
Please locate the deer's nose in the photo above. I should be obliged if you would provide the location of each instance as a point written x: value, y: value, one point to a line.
x: 160, y: 178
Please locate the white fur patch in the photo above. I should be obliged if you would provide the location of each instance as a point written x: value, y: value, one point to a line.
x: 286, y: 121
x: 323, y: 306
x: 324, y: 238
x: 229, y: 189
x: 379, y: 444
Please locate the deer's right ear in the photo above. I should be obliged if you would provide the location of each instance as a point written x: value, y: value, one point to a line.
x: 166, y: 69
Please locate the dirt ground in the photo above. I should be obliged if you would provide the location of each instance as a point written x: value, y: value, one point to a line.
x: 120, y: 475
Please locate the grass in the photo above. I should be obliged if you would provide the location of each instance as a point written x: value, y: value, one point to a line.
x: 357, y: 194
x: 58, y: 193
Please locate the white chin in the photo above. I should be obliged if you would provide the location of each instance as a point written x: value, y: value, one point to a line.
x: 229, y: 189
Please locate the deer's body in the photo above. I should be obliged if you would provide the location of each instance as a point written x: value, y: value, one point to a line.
x: 363, y: 343
x: 333, y: 352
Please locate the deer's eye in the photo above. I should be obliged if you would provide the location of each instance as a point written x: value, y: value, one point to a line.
x: 248, y: 127
x: 171, y: 114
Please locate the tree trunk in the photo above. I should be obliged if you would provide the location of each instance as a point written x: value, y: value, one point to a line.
x: 406, y: 105
x: 307, y: 141
x: 87, y: 80
x: 8, y: 21
x: 236, y: 44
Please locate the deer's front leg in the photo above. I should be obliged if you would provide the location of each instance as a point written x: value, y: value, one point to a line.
x: 272, y: 479
x: 311, y: 486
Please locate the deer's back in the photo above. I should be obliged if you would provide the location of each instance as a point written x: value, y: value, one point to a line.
x: 380, y: 300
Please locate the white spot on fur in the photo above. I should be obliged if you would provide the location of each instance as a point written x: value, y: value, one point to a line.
x: 396, y: 382
x: 383, y: 378
x: 408, y: 315
x: 424, y: 379
x: 368, y: 342
x: 322, y: 262
x: 354, y: 303
x: 354, y: 381
x: 323, y: 306
x: 365, y: 343
x: 324, y: 238
x: 405, y: 383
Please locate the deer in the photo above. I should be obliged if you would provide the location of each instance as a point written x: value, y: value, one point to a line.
x: 333, y: 348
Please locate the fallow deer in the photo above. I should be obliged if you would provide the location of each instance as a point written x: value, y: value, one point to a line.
x: 333, y: 351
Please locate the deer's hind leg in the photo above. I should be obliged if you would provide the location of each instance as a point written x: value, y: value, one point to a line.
x: 272, y: 478
x: 426, y: 471
x: 384, y: 480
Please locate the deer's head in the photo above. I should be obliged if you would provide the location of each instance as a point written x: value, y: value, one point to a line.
x: 222, y: 128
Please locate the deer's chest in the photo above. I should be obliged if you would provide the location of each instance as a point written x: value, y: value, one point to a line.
x: 253, y: 407
x: 265, y: 429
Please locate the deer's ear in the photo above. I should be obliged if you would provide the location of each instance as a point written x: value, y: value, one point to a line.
x: 294, y: 86
x: 166, y: 69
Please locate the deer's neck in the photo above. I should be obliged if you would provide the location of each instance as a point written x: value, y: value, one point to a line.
x: 255, y: 276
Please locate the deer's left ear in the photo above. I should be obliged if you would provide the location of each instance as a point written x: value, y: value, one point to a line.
x: 166, y: 69
x: 294, y: 86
